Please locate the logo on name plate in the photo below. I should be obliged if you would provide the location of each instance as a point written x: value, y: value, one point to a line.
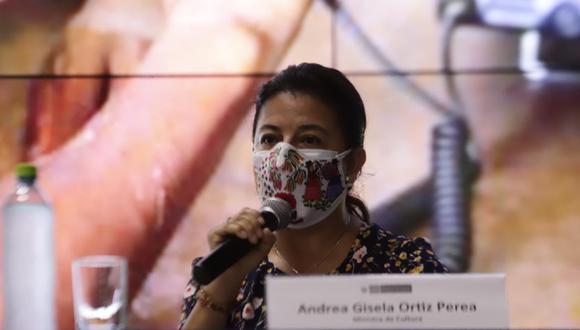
x: 387, y: 288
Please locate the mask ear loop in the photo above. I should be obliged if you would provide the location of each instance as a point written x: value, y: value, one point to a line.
x: 347, y: 180
x: 349, y: 184
x: 343, y: 154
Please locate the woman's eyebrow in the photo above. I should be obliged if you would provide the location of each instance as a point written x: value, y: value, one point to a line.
x: 269, y: 127
x: 313, y: 127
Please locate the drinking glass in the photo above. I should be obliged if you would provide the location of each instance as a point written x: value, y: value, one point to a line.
x: 100, y: 292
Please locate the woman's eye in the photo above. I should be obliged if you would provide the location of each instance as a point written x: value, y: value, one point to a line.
x: 311, y: 140
x: 267, y: 140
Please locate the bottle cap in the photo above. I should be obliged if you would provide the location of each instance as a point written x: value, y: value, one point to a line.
x: 25, y: 170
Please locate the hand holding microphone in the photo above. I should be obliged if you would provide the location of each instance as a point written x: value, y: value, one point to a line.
x: 243, y: 241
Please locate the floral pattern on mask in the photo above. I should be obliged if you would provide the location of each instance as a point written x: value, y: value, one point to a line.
x: 311, y: 181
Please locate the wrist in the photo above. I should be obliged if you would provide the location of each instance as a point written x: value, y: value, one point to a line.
x: 207, y: 300
x: 224, y: 289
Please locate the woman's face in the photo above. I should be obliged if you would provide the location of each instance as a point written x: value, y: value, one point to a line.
x: 300, y: 120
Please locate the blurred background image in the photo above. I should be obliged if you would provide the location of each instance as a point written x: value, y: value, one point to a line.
x: 138, y: 116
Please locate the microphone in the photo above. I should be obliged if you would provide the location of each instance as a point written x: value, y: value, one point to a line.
x: 276, y: 213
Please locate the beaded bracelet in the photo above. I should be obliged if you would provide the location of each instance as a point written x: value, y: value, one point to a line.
x: 206, y: 300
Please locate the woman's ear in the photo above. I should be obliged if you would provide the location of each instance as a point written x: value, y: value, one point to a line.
x: 355, y: 161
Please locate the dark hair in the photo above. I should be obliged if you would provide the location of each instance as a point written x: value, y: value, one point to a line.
x: 332, y: 88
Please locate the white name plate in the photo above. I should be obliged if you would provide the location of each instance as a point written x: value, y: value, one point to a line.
x: 465, y: 301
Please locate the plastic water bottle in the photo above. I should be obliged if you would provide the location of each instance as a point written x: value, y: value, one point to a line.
x: 29, y: 263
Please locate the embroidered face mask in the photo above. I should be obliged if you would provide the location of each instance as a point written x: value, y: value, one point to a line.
x: 311, y: 180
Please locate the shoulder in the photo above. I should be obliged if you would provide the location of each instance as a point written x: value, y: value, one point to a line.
x: 401, y: 254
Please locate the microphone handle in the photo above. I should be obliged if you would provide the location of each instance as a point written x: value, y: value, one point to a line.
x: 221, y: 258
x: 228, y: 253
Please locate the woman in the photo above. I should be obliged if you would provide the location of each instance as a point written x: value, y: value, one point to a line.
x: 309, y: 120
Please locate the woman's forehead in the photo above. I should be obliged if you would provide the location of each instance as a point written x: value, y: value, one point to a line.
x: 297, y: 109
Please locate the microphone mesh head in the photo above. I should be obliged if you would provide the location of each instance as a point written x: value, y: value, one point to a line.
x: 281, y: 208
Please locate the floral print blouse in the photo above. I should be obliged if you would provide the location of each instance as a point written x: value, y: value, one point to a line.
x: 374, y: 251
